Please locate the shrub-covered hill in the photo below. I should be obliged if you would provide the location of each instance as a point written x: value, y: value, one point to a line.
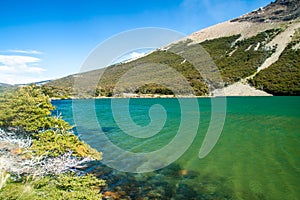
x: 236, y: 59
x: 238, y: 48
x: 4, y: 87
x: 282, y: 77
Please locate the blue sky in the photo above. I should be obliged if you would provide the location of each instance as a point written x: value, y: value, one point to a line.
x: 46, y: 39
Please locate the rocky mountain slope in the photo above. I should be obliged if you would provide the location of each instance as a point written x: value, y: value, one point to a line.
x: 256, y: 54
x: 281, y: 10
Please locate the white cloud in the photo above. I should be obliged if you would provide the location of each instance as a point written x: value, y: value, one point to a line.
x: 11, y: 60
x: 130, y: 56
x: 15, y: 69
x: 135, y: 55
x: 21, y: 79
x: 24, y: 51
x: 5, y: 69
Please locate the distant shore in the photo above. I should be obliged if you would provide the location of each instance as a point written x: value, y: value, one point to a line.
x: 136, y: 97
x: 237, y: 89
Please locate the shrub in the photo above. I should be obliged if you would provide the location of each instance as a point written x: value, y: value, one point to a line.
x: 51, y: 143
x: 63, y: 187
x: 28, y: 109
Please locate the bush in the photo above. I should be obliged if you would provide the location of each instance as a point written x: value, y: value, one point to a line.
x: 64, y: 187
x: 282, y: 77
x: 237, y: 59
x: 27, y: 109
x: 53, y: 144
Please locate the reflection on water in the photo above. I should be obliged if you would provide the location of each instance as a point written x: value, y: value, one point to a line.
x: 256, y: 157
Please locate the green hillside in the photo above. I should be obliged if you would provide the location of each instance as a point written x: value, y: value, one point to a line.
x: 282, y: 77
x: 235, y: 59
x: 239, y: 59
x: 4, y: 87
x: 112, y: 74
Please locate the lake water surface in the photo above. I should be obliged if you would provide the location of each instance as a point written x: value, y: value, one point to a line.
x: 256, y: 157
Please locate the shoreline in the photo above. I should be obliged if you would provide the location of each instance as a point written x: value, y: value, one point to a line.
x: 238, y: 89
x: 176, y: 97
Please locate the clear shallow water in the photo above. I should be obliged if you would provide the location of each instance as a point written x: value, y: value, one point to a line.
x: 256, y: 157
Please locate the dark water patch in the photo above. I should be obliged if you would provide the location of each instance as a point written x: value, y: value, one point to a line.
x: 168, y: 183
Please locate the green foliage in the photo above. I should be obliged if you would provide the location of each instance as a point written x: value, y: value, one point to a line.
x: 282, y: 77
x: 57, y: 91
x: 64, y: 187
x: 154, y: 89
x: 113, y: 74
x: 54, y: 143
x: 219, y: 47
x: 28, y: 109
x: 103, y: 92
x: 239, y: 59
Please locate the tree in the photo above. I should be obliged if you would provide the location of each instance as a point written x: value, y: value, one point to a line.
x: 28, y: 109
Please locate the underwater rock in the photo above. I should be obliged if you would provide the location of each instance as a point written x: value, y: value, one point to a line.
x: 111, y: 195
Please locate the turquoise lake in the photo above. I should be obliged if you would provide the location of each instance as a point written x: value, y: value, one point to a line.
x: 257, y: 155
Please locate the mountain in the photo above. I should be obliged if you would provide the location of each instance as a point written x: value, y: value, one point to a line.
x: 281, y: 10
x: 4, y: 87
x: 255, y: 54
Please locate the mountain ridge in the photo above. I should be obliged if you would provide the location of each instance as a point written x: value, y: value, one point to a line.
x: 250, y: 45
